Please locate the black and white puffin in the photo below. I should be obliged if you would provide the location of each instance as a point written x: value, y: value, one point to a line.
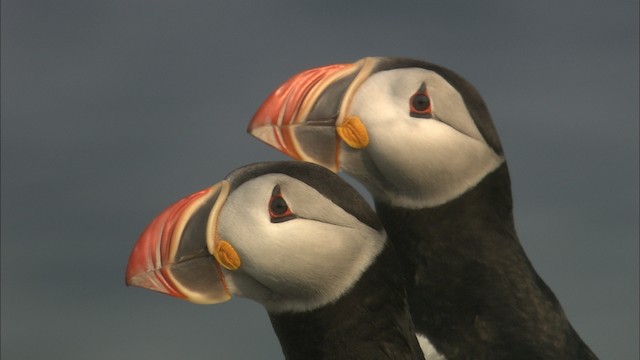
x: 420, y: 138
x: 297, y: 239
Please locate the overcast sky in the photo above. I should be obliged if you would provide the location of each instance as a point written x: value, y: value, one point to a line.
x: 112, y: 110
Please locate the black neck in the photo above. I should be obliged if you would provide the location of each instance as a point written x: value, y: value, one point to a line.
x: 470, y: 286
x: 370, y: 321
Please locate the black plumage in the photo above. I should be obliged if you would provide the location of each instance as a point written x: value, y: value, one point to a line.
x: 365, y: 316
x: 471, y: 288
x: 370, y: 321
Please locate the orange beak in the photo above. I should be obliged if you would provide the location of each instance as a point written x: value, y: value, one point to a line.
x: 174, y: 253
x: 301, y: 116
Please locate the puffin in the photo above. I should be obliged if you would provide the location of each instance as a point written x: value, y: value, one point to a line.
x: 300, y: 241
x: 420, y: 138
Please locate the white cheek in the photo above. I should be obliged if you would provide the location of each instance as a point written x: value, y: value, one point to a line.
x: 415, y: 162
x: 428, y: 164
x: 316, y: 266
x: 299, y: 264
x: 449, y: 107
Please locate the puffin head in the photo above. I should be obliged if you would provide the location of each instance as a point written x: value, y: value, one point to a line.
x: 292, y: 236
x: 414, y: 133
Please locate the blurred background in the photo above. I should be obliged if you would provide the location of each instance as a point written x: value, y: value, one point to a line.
x: 112, y: 110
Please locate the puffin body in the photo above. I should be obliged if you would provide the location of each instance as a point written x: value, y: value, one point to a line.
x: 300, y: 241
x: 422, y: 141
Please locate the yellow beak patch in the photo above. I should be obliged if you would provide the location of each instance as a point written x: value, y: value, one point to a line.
x: 226, y: 255
x: 353, y: 132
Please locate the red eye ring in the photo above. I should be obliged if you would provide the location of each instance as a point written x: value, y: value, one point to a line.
x: 279, y: 211
x: 420, y: 103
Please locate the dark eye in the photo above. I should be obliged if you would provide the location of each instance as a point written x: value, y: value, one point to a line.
x: 278, y: 209
x: 420, y: 104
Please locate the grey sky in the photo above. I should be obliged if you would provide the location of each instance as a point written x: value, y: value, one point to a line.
x: 112, y: 110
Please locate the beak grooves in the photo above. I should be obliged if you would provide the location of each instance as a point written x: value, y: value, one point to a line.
x: 172, y: 255
x: 300, y: 117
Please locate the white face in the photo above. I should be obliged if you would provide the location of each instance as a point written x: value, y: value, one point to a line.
x: 410, y: 161
x: 301, y: 263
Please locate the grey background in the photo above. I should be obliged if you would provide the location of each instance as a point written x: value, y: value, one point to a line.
x: 111, y: 110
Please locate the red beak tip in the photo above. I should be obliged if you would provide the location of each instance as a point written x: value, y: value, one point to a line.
x: 149, y: 280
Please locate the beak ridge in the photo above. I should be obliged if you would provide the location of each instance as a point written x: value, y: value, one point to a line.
x: 299, y: 118
x: 171, y: 255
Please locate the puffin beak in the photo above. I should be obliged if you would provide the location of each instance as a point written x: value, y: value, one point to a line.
x: 306, y: 117
x: 175, y: 253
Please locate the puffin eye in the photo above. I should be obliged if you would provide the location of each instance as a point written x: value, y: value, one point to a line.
x: 278, y: 209
x: 420, y: 104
